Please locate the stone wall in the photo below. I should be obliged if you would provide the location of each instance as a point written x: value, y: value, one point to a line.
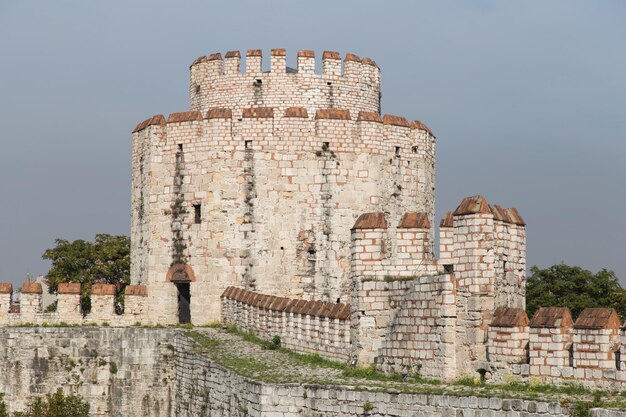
x: 408, y: 326
x: 120, y: 372
x: 217, y: 82
x: 208, y: 389
x: 158, y: 372
x: 555, y: 349
x: 276, y: 195
x: 303, y: 326
x: 68, y: 306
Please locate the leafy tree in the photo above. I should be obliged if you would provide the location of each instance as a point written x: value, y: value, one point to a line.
x: 106, y: 260
x: 574, y: 287
x: 56, y: 405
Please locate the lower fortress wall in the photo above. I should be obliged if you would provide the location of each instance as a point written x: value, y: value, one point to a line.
x: 158, y: 372
x: 126, y: 372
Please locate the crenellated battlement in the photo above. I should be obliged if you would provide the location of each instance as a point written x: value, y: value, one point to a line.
x: 554, y: 348
x: 352, y: 83
x: 296, y: 129
x: 68, y: 299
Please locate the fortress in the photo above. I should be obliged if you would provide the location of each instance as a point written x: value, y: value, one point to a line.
x: 284, y: 202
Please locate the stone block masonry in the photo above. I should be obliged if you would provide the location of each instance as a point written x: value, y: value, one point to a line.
x: 553, y: 348
x: 69, y: 308
x: 258, y: 184
x: 120, y: 372
x: 139, y: 372
x: 303, y: 326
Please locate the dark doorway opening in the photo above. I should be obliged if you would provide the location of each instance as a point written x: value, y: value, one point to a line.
x: 184, y: 302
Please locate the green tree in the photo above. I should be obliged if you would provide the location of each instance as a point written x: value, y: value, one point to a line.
x: 574, y: 287
x: 56, y: 405
x: 105, y: 260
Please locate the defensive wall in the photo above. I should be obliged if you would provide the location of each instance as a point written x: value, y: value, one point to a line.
x: 69, y: 311
x: 141, y: 372
x: 553, y: 347
x: 126, y: 372
x: 351, y: 83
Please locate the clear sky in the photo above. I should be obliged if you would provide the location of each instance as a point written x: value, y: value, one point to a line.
x: 527, y: 99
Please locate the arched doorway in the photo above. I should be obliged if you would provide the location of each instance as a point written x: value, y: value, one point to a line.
x: 181, y: 275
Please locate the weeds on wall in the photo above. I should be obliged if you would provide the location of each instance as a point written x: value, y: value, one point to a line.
x: 178, y: 212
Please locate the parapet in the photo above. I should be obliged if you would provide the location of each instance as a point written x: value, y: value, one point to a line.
x: 597, y: 318
x: 351, y: 83
x: 68, y: 288
x: 293, y: 128
x: 478, y: 205
x: 338, y: 311
x: 6, y: 288
x: 509, y: 317
x: 552, y: 317
x: 69, y: 305
x: 306, y: 326
x: 31, y: 288
x: 370, y: 221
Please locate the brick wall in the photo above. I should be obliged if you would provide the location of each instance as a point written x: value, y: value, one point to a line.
x: 508, y: 338
x: 588, y: 352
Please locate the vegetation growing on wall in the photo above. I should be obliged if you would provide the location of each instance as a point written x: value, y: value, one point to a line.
x: 53, y: 405
x: 178, y: 211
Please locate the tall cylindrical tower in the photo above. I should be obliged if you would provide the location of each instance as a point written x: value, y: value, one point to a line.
x: 260, y: 182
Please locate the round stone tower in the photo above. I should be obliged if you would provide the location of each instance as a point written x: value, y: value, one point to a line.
x: 258, y: 185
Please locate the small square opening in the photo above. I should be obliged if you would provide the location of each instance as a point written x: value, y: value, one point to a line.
x: 180, y: 147
x: 397, y: 151
x: 248, y: 144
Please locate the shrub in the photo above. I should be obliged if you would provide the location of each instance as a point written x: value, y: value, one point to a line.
x: 55, y: 405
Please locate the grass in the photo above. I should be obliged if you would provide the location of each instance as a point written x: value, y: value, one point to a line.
x: 576, y: 398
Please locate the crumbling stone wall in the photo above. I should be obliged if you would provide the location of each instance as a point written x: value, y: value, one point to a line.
x: 120, y: 372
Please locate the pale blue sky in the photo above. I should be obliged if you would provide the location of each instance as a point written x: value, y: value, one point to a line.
x: 527, y: 99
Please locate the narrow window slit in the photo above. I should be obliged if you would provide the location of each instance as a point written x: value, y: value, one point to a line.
x: 197, y: 211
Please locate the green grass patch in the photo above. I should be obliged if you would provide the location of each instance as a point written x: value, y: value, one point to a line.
x: 204, y: 340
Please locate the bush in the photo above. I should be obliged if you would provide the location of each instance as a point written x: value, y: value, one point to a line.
x: 55, y: 405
